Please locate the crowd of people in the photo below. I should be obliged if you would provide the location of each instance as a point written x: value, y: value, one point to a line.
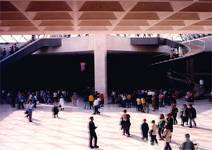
x: 142, y: 100
x: 163, y: 128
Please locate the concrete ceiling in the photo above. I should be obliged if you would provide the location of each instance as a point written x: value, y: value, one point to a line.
x: 110, y: 16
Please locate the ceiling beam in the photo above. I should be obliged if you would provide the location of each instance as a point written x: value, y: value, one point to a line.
x: 128, y: 5
x: 19, y: 6
x: 202, y: 16
x: 177, y: 6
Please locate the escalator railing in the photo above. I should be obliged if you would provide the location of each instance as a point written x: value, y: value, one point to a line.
x: 29, y: 49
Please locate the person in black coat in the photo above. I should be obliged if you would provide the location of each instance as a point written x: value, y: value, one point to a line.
x: 184, y: 115
x: 92, y: 132
x: 145, y: 130
x: 192, y: 115
x: 169, y: 122
x: 174, y: 112
x: 55, y: 111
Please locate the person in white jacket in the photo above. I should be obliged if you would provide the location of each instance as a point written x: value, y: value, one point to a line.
x: 153, y: 133
x: 61, y: 103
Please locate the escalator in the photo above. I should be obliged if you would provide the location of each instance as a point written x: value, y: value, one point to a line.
x: 187, y: 82
x: 29, y: 49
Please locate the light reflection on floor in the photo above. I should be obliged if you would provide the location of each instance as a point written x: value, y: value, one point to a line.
x: 70, y: 131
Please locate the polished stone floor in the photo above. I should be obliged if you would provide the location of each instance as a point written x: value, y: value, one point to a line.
x: 70, y: 130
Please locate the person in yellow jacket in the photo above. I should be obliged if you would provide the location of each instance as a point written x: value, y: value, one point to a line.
x: 143, y: 102
x: 91, y: 100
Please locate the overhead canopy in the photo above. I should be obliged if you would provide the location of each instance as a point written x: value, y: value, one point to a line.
x: 112, y: 16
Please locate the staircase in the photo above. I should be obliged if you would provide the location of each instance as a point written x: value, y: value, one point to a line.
x: 29, y: 49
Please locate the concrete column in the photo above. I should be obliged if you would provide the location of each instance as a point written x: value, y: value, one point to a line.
x: 100, y: 69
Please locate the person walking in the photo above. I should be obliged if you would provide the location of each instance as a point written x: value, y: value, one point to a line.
x: 96, y: 105
x: 126, y: 123
x: 161, y: 125
x: 188, y: 144
x: 167, y: 136
x: 144, y: 130
x: 29, y: 110
x: 153, y: 133
x: 191, y: 115
x: 92, y: 132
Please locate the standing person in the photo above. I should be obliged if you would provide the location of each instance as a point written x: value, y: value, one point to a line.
x: 153, y: 133
x: 161, y: 125
x: 154, y: 103
x: 55, y: 98
x: 92, y: 132
x: 96, y: 105
x: 91, y: 100
x: 129, y: 100
x: 191, y: 115
x: 184, y: 115
x: 20, y: 100
x: 143, y: 103
x: 113, y: 96
x: 138, y: 101
x: 145, y: 130
x: 85, y: 99
x: 188, y: 144
x: 102, y: 99
x: 61, y: 103
x: 126, y: 123
x: 29, y: 110
x: 55, y: 110
x: 174, y: 112
x: 169, y: 122
x: 167, y: 136
x: 74, y: 99
x: 161, y: 100
x: 124, y: 100
x: 34, y: 99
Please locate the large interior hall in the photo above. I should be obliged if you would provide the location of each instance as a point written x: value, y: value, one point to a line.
x: 105, y: 74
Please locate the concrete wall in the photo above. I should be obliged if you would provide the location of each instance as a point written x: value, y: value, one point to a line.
x: 76, y: 44
x: 85, y: 44
x: 123, y: 44
x: 208, y: 44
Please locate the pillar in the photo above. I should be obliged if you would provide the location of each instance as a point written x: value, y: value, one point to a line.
x: 100, y: 68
